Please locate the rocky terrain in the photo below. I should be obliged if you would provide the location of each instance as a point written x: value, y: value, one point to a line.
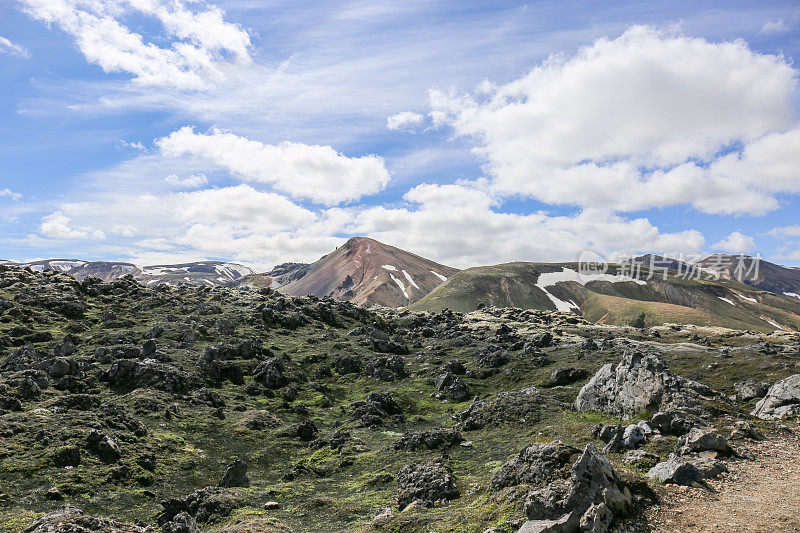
x: 131, y: 408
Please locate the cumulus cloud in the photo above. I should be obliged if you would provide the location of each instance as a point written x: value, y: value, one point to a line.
x: 189, y: 182
x: 457, y: 225
x: 318, y: 173
x: 737, y: 243
x: 7, y: 47
x: 202, y: 43
x: 243, y: 206
x: 407, y: 120
x: 57, y: 226
x: 638, y: 122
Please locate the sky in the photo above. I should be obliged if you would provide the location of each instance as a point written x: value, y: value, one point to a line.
x: 471, y: 133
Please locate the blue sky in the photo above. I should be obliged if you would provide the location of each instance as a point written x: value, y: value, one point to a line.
x: 469, y: 132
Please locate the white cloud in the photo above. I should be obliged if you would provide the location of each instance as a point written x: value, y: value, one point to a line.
x: 242, y: 207
x: 407, y: 120
x: 774, y: 26
x: 785, y: 232
x: 466, y: 231
x: 318, y: 173
x: 7, y: 47
x: 10, y: 194
x: 136, y: 145
x: 202, y: 43
x: 57, y: 226
x: 189, y: 182
x: 580, y: 131
x: 736, y: 242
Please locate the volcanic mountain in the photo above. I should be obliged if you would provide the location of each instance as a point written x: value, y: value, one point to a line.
x: 623, y: 295
x: 201, y: 273
x: 365, y: 271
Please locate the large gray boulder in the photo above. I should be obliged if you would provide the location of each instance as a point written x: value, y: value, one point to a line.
x: 677, y: 471
x: 590, y: 498
x: 639, y: 382
x: 782, y: 400
x: 536, y: 464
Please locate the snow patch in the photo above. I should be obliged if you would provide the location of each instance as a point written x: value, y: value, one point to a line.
x: 772, y: 323
x: 438, y: 275
x: 389, y: 267
x: 400, y: 284
x: 792, y: 294
x: 726, y: 300
x: 548, y: 279
x: 743, y: 297
x: 410, y: 279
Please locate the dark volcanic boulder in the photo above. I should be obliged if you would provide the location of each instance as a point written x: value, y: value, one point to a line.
x: 270, y: 373
x: 451, y: 387
x: 201, y: 505
x: 425, y: 482
x: 182, y: 523
x: 639, y: 382
x: 235, y: 475
x: 103, y: 446
x: 520, y: 406
x: 566, y: 376
x: 782, y: 400
x: 375, y: 408
x: 431, y: 439
x: 535, y: 465
x: 387, y: 368
x: 589, y: 496
x: 129, y: 374
x: 72, y: 520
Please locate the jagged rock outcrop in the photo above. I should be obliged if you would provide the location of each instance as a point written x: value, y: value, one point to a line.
x: 639, y: 382
x: 782, y: 400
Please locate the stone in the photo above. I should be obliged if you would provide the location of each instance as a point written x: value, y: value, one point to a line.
x: 676, y: 471
x: 639, y: 382
x: 709, y: 468
x: 235, y: 475
x: 518, y: 407
x: 182, y: 523
x: 782, y: 400
x: 704, y: 439
x: 451, y: 387
x: 566, y: 376
x: 536, y: 464
x: 425, y: 482
x: 73, y: 520
x: 103, y: 446
x: 751, y: 390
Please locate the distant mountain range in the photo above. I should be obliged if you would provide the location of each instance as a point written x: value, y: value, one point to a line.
x: 648, y: 290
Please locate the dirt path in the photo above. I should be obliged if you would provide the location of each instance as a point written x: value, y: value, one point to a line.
x: 762, y: 495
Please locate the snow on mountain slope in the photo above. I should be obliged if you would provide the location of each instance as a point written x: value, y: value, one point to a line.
x: 367, y: 272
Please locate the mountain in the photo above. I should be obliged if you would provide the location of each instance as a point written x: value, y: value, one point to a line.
x: 202, y: 273
x: 619, y: 296
x: 366, y: 272
x: 755, y: 272
x: 210, y: 273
